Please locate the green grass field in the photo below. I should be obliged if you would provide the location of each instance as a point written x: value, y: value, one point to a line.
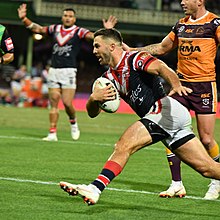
x: 31, y: 170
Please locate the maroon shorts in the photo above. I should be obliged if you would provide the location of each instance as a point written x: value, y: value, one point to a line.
x: 203, y: 99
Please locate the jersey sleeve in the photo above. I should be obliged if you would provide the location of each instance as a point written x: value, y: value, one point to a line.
x: 142, y: 60
x: 216, y: 23
x: 51, y: 29
x: 82, y: 32
x: 7, y: 45
x: 173, y: 33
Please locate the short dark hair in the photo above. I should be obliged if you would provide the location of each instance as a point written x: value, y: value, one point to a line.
x: 70, y: 9
x: 109, y: 33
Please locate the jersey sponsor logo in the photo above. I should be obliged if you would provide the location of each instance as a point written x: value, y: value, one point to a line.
x: 206, y: 95
x: 181, y: 29
x: 62, y: 50
x: 205, y: 103
x: 189, y: 30
x: 135, y: 95
x: 186, y: 48
x: 200, y: 30
x: 9, y: 44
x: 205, y: 99
x: 140, y: 63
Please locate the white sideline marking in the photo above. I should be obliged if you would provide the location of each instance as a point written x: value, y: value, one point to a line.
x: 60, y: 141
x: 76, y: 142
x: 112, y: 189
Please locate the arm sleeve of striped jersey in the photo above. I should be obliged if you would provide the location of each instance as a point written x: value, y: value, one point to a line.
x: 173, y: 33
x: 82, y: 32
x: 51, y: 29
x: 142, y: 60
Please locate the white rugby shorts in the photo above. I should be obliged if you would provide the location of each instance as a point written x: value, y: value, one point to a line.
x: 64, y: 78
x: 173, y: 118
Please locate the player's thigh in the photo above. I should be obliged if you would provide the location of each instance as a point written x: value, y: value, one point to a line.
x: 194, y: 154
x: 67, y: 96
x: 206, y: 124
x: 134, y: 138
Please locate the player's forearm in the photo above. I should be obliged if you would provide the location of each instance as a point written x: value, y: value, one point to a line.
x: 34, y: 27
x: 153, y: 49
x: 168, y: 74
x: 7, y: 58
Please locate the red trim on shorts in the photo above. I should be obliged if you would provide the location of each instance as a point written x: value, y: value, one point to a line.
x: 159, y: 109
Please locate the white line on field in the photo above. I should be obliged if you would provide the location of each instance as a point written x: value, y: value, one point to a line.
x: 112, y: 189
x: 76, y: 142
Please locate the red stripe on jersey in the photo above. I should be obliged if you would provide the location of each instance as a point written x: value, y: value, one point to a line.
x: 121, y: 73
x: 64, y: 32
x: 149, y: 62
x: 82, y: 32
x: 142, y: 60
x: 64, y: 35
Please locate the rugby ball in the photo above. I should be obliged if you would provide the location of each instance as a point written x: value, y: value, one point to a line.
x: 108, y: 106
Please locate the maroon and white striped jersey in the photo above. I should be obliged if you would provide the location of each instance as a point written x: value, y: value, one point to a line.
x: 66, y: 45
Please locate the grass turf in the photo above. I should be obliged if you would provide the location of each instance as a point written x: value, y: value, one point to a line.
x: 31, y: 169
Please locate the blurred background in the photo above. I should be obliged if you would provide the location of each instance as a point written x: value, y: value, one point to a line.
x: 141, y: 22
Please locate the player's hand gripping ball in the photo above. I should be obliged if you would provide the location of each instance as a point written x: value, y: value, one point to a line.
x: 108, y: 106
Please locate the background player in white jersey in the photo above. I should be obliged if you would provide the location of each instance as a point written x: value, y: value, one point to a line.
x: 197, y: 37
x: 135, y: 75
x: 62, y: 73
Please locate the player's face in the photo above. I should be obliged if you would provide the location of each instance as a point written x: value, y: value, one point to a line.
x: 68, y: 18
x: 190, y: 7
x: 101, y: 50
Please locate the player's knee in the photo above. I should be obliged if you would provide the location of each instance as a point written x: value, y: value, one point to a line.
x: 122, y: 147
x: 54, y: 110
x: 206, y: 141
x: 67, y: 105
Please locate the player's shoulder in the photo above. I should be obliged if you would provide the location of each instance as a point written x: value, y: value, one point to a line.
x: 141, y: 60
x: 136, y: 54
x: 141, y: 55
x: 213, y: 18
x: 2, y: 26
x: 208, y: 18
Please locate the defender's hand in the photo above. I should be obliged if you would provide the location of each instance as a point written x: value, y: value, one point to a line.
x: 22, y: 11
x: 110, y: 23
x: 181, y: 90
